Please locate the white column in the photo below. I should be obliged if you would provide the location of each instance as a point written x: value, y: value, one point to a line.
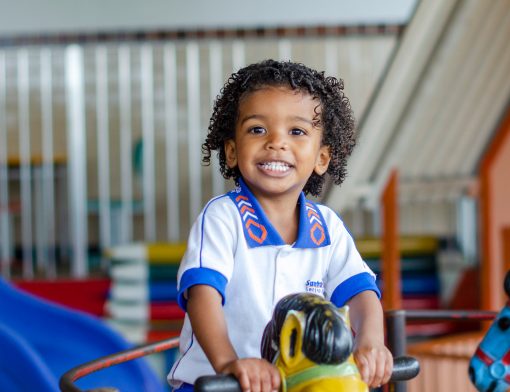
x: 76, y: 152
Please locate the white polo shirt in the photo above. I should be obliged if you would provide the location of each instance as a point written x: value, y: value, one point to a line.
x: 234, y: 248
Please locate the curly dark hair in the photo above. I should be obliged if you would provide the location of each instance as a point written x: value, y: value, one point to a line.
x: 336, y: 115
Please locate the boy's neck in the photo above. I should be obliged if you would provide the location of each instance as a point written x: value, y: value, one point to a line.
x: 283, y: 214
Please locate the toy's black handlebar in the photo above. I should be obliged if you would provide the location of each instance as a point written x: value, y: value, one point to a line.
x: 217, y: 383
x: 404, y: 368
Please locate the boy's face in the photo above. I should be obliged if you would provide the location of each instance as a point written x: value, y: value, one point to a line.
x: 276, y: 144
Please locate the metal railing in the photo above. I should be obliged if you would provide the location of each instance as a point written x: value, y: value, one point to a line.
x: 67, y: 380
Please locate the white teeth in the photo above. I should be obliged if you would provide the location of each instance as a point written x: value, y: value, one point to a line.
x: 276, y: 166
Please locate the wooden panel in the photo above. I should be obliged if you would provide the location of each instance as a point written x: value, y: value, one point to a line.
x: 444, y: 363
x: 392, y: 294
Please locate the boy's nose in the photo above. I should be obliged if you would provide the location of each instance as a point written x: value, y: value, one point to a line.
x: 277, y: 142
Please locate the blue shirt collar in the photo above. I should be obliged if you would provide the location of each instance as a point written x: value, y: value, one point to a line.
x: 258, y: 230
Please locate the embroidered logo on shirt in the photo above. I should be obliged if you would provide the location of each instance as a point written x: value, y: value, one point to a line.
x: 256, y: 230
x: 316, y: 231
x: 314, y: 286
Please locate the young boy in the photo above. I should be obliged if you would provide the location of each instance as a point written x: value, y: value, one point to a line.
x: 278, y: 128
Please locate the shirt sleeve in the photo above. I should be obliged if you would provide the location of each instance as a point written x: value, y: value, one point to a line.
x: 348, y: 274
x: 209, y: 256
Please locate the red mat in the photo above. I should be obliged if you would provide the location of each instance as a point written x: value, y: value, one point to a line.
x: 166, y: 310
x: 87, y: 295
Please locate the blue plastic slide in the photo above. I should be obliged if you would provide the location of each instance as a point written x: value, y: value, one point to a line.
x: 39, y: 341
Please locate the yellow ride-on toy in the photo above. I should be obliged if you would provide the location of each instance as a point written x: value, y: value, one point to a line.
x: 310, y: 341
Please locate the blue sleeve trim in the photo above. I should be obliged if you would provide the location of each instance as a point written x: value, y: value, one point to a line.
x: 205, y: 276
x: 352, y: 286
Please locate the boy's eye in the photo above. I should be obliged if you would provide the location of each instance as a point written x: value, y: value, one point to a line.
x: 297, y: 132
x: 257, y: 130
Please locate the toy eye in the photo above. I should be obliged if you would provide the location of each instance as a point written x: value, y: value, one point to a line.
x: 506, y: 284
x: 504, y: 323
x: 293, y: 341
x: 472, y: 375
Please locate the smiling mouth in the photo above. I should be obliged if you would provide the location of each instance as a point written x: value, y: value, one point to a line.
x: 276, y: 166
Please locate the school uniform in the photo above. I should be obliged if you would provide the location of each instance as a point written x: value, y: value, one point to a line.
x: 234, y: 248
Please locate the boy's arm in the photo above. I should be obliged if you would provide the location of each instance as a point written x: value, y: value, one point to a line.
x: 205, y: 312
x: 206, y: 316
x: 374, y: 360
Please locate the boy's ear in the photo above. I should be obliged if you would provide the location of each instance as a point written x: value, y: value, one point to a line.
x: 323, y: 159
x: 230, y: 153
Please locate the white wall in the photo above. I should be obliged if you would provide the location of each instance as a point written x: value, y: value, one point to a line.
x: 52, y: 16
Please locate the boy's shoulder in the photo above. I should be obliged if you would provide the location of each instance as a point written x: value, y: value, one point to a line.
x: 228, y: 205
x: 336, y: 225
x: 330, y: 216
x: 219, y: 204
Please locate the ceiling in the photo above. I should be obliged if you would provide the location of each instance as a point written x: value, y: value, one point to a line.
x: 437, y: 107
x: 30, y: 17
